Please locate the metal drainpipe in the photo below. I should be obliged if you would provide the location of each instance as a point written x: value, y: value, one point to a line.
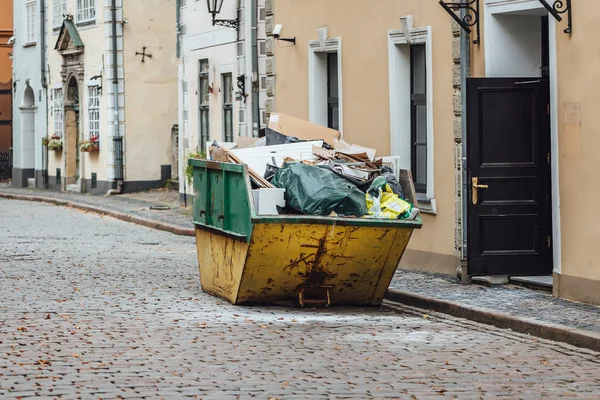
x: 44, y: 86
x: 255, y: 85
x: 118, y: 149
x: 465, y: 72
x: 178, y: 27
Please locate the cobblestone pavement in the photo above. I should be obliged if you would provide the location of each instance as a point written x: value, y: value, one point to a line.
x: 510, y: 299
x: 137, y: 204
x: 92, y: 307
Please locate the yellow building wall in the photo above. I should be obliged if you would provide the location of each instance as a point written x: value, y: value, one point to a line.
x: 150, y: 87
x: 579, y: 141
x: 6, y: 31
x: 363, y: 28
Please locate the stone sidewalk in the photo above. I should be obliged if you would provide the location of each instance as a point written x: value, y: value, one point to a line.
x: 133, y: 207
x: 508, y: 306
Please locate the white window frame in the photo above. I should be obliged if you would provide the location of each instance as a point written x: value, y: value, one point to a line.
x: 317, y: 78
x: 59, y: 120
x: 400, y: 107
x: 86, y: 11
x: 30, y: 21
x: 93, y: 111
x: 59, y: 7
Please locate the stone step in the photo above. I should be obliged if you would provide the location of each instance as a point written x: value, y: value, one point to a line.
x: 73, y: 188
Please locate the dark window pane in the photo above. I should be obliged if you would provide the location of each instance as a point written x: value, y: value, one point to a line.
x: 421, y: 166
x: 228, y: 125
x: 419, y: 70
x: 332, y: 91
x: 204, y: 126
x: 204, y: 66
x: 419, y: 117
x: 421, y: 124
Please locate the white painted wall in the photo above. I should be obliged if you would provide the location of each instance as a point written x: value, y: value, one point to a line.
x: 513, y: 46
x: 512, y: 32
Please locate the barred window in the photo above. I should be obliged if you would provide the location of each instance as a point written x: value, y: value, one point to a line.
x: 58, y: 112
x: 86, y: 10
x: 30, y: 23
x: 59, y: 8
x: 93, y: 111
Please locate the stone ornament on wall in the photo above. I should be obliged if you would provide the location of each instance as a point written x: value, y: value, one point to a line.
x: 269, y: 7
x: 269, y: 46
x: 270, y: 66
x: 269, y: 25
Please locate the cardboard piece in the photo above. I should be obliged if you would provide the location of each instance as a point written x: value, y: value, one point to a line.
x: 218, y: 154
x: 347, y: 148
x: 303, y: 130
x: 245, y: 141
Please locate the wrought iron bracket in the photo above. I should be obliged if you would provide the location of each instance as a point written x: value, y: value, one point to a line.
x: 241, y: 84
x: 471, y: 17
x: 560, y: 7
x: 227, y: 23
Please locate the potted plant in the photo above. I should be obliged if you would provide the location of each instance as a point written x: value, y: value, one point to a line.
x: 90, y: 146
x: 45, y: 141
x: 55, y: 143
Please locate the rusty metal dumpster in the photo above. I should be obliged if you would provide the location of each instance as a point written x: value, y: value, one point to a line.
x: 247, y: 258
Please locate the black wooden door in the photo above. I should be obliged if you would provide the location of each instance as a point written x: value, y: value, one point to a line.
x: 508, y: 163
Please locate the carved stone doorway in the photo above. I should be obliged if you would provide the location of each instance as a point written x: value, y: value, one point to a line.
x: 70, y: 46
x: 72, y: 153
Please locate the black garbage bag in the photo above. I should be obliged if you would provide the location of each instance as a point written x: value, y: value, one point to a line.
x: 319, y: 191
x: 391, y: 180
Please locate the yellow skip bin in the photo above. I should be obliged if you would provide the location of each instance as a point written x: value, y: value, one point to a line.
x: 250, y: 259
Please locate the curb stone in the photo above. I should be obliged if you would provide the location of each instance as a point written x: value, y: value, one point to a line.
x: 149, y: 223
x: 559, y: 333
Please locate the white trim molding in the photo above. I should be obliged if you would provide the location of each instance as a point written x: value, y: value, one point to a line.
x: 556, y: 232
x: 317, y: 78
x: 399, y: 74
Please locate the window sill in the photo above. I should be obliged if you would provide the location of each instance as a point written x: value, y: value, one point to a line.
x: 86, y: 23
x: 426, y: 205
x: 29, y: 44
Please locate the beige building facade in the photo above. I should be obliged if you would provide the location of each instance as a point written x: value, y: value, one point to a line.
x: 112, y: 95
x: 511, y: 105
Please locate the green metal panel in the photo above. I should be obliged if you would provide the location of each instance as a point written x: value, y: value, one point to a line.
x: 222, y: 198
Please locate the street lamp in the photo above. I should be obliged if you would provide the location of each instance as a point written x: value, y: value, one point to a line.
x: 214, y: 8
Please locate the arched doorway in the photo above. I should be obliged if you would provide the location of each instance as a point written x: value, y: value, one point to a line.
x: 25, y: 165
x: 72, y: 132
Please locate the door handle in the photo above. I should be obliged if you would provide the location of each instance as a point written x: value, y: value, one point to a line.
x: 475, y: 189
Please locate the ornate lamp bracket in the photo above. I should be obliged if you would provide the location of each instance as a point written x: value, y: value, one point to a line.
x: 560, y: 7
x: 471, y: 17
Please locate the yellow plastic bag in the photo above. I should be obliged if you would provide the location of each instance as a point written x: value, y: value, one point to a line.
x: 382, y: 202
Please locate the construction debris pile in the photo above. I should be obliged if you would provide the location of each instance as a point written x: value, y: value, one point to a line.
x: 301, y: 168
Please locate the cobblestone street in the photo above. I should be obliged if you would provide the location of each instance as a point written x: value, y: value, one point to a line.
x: 92, y: 307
